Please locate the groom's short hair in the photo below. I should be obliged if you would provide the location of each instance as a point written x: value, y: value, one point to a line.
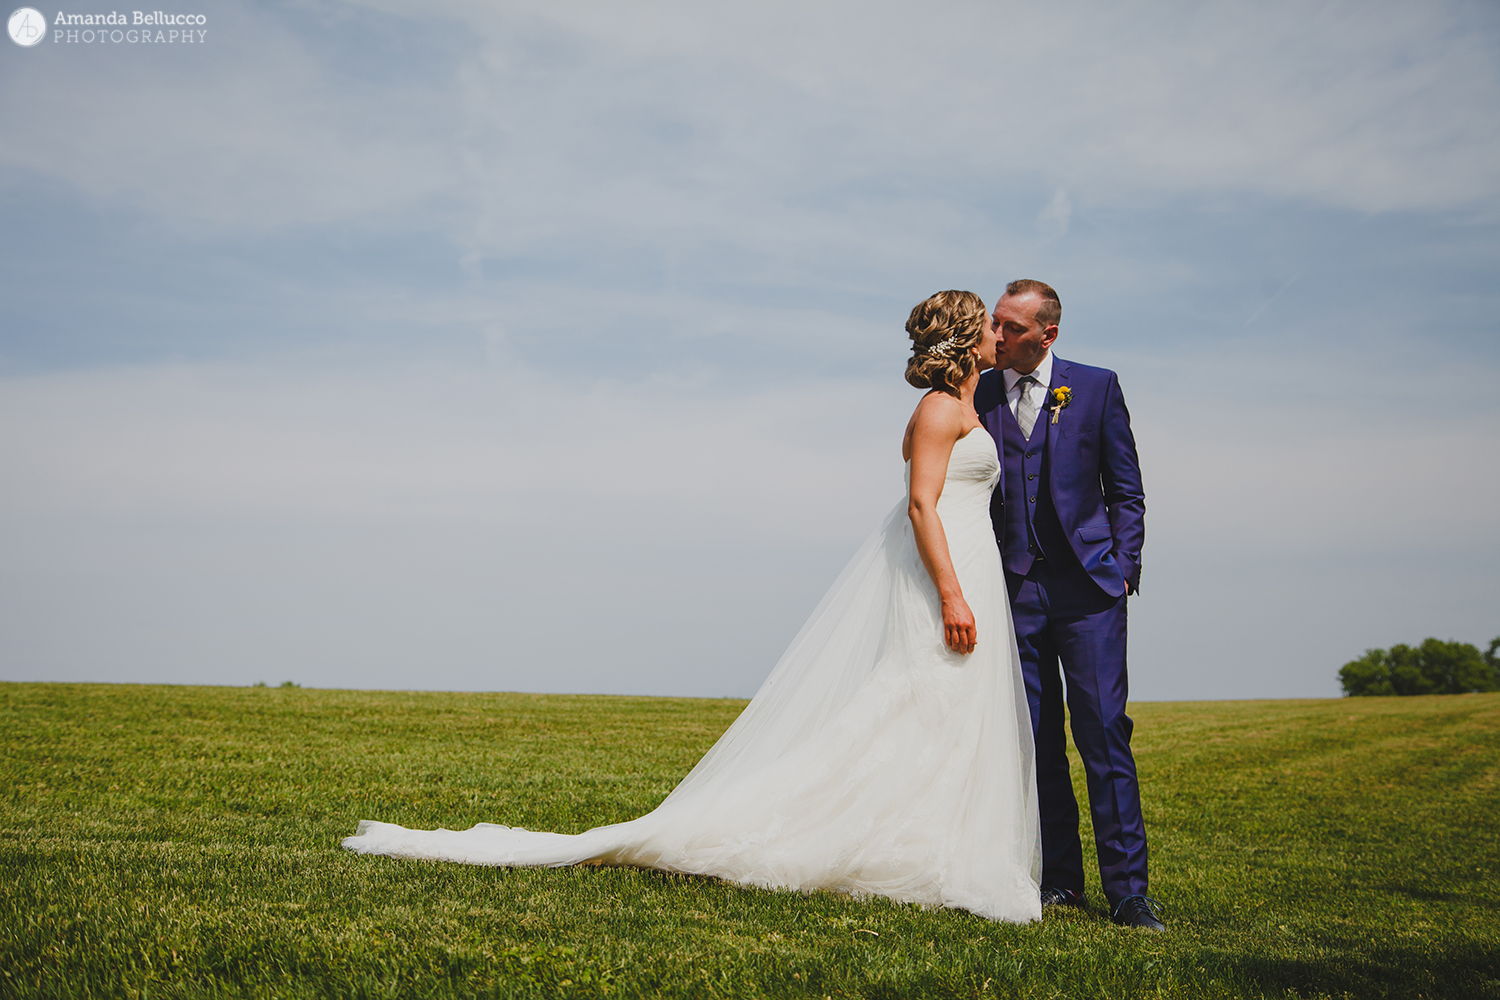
x: 1049, y: 313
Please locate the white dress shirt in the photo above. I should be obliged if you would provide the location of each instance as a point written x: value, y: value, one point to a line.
x: 1038, y: 392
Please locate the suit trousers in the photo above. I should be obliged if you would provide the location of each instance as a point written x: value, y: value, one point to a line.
x: 1063, y: 618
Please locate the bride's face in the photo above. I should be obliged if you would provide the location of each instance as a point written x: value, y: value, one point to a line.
x: 988, y: 348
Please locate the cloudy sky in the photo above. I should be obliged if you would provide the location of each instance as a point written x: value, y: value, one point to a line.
x: 558, y: 346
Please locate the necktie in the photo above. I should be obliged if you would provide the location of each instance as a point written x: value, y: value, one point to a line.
x: 1025, y: 407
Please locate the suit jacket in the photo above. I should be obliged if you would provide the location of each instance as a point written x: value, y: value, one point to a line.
x: 1092, y: 470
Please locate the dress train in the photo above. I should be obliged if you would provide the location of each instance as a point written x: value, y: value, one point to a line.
x: 873, y: 760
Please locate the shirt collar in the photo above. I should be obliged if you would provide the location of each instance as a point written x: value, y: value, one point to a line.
x: 1043, y: 373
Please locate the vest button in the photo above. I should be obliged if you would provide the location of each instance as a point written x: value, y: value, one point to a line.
x: 1031, y: 475
x: 1033, y: 499
x: 1028, y: 454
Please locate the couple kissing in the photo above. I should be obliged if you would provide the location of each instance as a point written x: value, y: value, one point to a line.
x: 909, y: 743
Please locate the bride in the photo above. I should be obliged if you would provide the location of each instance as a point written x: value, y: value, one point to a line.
x: 889, y: 752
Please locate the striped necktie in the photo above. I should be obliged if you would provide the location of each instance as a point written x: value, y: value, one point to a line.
x: 1025, y: 407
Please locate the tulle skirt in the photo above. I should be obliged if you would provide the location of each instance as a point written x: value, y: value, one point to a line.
x: 873, y: 760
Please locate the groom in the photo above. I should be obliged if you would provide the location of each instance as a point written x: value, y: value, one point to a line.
x: 1070, y: 519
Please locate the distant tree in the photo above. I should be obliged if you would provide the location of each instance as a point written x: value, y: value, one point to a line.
x: 1435, y: 667
x: 1368, y: 675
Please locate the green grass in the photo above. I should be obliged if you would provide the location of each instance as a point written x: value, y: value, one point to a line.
x: 182, y: 842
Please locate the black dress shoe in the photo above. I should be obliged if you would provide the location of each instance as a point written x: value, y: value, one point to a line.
x: 1053, y: 896
x: 1138, y: 911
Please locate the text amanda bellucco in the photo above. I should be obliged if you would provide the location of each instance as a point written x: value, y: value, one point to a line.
x: 137, y: 27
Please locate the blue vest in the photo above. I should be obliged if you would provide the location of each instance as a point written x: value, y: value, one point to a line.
x: 1024, y: 502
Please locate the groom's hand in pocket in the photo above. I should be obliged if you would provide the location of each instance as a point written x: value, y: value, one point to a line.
x: 959, y: 633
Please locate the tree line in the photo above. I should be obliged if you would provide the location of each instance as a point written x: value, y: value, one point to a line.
x: 1434, y: 667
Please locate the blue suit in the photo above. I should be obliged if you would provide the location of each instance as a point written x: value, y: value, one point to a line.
x: 1070, y: 519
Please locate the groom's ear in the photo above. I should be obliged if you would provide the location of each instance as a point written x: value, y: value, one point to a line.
x: 1049, y: 334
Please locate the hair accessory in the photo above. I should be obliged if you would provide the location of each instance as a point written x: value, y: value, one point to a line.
x: 943, y: 347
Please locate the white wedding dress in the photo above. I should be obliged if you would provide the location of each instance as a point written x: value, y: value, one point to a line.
x: 873, y: 760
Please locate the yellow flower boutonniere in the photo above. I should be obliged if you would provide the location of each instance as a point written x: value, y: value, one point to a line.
x: 1061, y: 397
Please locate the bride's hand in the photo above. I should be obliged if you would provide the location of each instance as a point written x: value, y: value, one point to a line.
x: 959, y: 634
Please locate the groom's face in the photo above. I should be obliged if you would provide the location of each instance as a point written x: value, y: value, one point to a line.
x: 1021, y: 342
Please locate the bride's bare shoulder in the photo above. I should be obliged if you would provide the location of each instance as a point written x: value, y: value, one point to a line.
x: 938, y: 417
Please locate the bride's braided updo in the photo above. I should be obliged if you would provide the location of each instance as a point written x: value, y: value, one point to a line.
x: 942, y: 329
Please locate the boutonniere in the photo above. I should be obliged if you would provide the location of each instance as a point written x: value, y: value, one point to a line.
x: 1061, y: 397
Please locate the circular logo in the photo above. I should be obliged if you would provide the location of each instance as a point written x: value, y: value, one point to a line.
x: 27, y: 26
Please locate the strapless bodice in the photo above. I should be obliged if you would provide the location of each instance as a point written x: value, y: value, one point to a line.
x: 973, y: 471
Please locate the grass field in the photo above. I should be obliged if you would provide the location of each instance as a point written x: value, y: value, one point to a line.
x: 182, y: 842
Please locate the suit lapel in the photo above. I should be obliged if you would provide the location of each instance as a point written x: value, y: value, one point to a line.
x: 1060, y: 377
x: 995, y: 419
x: 993, y: 423
x: 1007, y: 418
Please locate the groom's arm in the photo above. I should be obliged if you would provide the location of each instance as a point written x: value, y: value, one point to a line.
x: 1120, y: 478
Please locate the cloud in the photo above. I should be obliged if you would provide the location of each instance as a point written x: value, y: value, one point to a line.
x: 1052, y: 221
x: 680, y: 124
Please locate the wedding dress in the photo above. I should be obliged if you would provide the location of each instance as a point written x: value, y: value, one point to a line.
x: 873, y: 760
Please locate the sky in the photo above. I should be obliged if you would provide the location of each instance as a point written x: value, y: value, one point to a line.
x: 558, y: 346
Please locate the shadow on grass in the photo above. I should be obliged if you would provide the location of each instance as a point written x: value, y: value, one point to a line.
x: 1472, y: 973
x: 1426, y: 893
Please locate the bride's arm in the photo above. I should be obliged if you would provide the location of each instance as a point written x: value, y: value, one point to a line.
x: 937, y: 425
